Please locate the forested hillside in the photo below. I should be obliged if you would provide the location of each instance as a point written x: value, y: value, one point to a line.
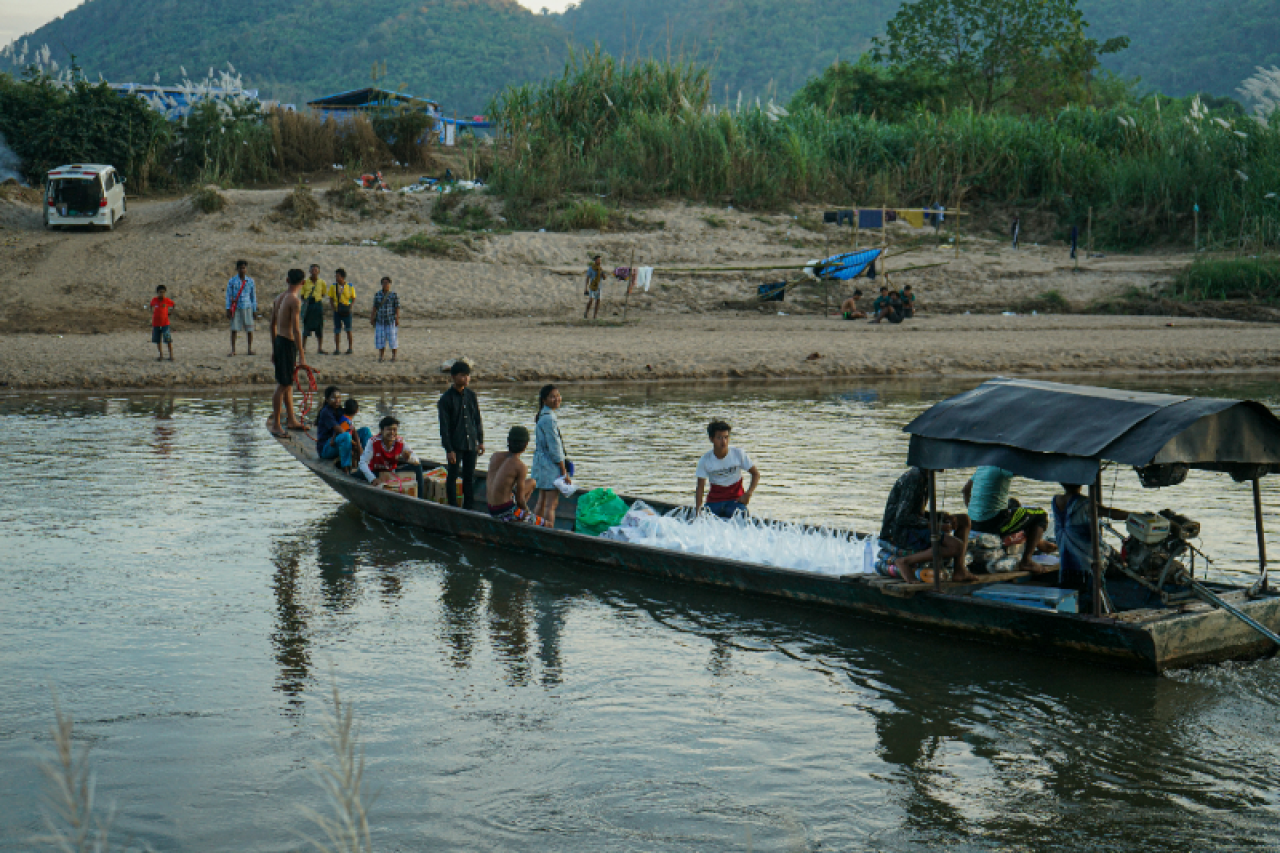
x: 461, y: 52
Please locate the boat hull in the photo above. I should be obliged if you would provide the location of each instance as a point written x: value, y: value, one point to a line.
x: 1170, y: 641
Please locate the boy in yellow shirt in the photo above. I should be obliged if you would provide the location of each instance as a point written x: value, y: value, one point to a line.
x: 342, y: 296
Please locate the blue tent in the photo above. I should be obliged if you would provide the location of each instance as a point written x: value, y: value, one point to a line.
x: 847, y: 266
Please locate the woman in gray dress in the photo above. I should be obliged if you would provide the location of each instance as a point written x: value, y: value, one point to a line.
x: 549, y: 460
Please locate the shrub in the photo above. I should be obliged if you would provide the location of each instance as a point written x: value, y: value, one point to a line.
x: 452, y: 210
x: 580, y: 215
x: 423, y: 243
x: 299, y: 208
x: 1215, y: 278
x: 208, y: 200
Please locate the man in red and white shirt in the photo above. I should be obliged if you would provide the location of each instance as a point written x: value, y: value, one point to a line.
x: 387, y: 454
x: 722, y: 466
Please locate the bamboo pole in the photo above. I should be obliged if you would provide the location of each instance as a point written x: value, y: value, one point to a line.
x: 1090, y: 237
x: 935, y: 532
x: 1262, y: 536
x: 1095, y: 495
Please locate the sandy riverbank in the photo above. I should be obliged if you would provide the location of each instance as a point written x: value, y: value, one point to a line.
x: 670, y: 347
x: 74, y: 315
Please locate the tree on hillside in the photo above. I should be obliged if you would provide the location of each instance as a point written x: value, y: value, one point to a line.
x: 991, y: 48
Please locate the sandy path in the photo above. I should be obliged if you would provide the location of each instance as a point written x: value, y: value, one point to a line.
x: 728, y: 345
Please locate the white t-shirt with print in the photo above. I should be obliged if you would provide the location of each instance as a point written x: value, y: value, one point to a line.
x: 726, y: 471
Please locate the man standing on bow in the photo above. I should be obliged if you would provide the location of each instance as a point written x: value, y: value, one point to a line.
x: 461, y: 433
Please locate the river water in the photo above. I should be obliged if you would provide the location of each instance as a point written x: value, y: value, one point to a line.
x: 192, y: 597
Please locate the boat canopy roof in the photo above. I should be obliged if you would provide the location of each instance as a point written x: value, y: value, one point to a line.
x: 1062, y: 433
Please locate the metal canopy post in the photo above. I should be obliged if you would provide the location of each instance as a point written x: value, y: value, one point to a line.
x: 935, y: 531
x: 1262, y: 536
x: 1095, y: 496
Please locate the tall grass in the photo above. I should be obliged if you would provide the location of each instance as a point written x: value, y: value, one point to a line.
x: 648, y: 130
x: 1215, y: 278
x: 346, y: 830
x: 70, y: 817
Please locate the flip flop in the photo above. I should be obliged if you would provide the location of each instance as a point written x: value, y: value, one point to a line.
x: 302, y: 428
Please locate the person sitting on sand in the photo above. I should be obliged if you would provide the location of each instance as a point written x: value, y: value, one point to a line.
x: 286, y: 352
x: 388, y: 454
x: 850, y: 310
x: 908, y: 300
x: 595, y: 277
x: 993, y: 511
x: 906, y: 527
x: 722, y: 466
x: 884, y: 307
x: 508, y: 484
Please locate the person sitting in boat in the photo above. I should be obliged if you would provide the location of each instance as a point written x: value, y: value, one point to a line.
x: 906, y: 527
x: 508, y: 484
x: 336, y: 436
x: 993, y: 511
x: 388, y: 454
x: 722, y: 466
x: 1074, y: 531
x: 850, y: 310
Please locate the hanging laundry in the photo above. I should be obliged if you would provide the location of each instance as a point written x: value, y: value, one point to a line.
x: 622, y: 273
x: 846, y: 217
x: 831, y: 217
x: 914, y: 218
x: 871, y: 218
x: 891, y: 216
x: 644, y: 277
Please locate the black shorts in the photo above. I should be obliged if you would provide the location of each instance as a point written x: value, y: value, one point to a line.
x: 284, y: 356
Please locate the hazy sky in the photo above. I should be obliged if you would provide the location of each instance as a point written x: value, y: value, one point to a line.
x: 23, y: 16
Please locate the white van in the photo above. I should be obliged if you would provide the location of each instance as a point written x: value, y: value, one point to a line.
x: 84, y: 195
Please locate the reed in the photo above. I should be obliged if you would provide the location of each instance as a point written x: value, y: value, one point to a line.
x: 346, y: 828
x: 647, y: 131
x: 71, y: 821
x: 1210, y: 278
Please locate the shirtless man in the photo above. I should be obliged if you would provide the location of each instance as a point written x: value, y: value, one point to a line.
x: 850, y: 309
x: 286, y: 335
x: 509, y: 484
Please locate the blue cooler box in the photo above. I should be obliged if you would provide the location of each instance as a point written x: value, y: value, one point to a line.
x: 1039, y: 597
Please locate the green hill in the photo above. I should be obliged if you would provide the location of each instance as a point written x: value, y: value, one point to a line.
x: 457, y: 51
x: 461, y: 52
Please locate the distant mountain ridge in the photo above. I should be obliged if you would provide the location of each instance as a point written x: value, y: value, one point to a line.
x: 461, y: 52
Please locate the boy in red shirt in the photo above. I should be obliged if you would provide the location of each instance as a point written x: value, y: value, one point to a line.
x: 160, y: 306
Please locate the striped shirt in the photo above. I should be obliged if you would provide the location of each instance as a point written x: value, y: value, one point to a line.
x: 385, y: 306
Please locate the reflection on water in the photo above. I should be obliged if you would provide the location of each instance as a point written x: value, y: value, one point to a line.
x: 192, y: 596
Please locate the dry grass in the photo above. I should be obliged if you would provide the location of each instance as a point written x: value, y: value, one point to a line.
x: 342, y: 780
x: 70, y: 820
x: 299, y: 208
x: 208, y: 200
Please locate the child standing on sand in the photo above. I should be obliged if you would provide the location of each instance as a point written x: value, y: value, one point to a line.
x: 160, y: 306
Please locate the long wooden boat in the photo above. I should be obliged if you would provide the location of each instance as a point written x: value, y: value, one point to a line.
x: 1151, y: 640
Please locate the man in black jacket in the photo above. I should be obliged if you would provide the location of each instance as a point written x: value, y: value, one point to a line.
x: 461, y: 433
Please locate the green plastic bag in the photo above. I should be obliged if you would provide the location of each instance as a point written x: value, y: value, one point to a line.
x: 598, y: 510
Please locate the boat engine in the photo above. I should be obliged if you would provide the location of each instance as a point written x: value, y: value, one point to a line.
x: 1156, y: 544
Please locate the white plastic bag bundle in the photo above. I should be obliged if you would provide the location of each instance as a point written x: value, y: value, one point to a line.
x: 783, y: 545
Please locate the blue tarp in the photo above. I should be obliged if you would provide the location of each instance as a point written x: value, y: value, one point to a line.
x: 848, y: 266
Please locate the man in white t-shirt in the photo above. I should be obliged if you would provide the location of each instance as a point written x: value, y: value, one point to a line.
x: 723, y: 465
